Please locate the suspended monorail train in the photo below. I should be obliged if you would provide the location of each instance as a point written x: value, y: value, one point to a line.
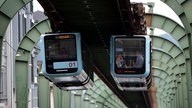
x: 62, y: 62
x: 130, y: 62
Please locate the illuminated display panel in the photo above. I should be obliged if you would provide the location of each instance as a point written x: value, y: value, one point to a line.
x: 129, y: 55
x: 60, y: 53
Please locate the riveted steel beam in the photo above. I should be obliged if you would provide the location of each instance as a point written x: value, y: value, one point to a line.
x: 21, y: 62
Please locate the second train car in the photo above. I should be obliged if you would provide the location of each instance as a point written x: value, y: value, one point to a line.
x: 130, y: 61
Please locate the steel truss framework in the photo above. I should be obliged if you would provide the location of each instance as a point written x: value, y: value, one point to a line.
x: 171, y: 63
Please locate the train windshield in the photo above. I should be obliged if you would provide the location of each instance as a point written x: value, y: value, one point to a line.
x: 60, y: 47
x: 130, y: 55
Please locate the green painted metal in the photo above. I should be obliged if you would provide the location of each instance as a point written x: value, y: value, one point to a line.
x: 86, y: 103
x: 44, y: 92
x: 183, y: 10
x: 169, y: 26
x: 4, y: 21
x: 99, y: 105
x: 178, y: 7
x: 100, y: 93
x: 66, y: 99
x: 21, y: 69
x: 21, y: 65
x: 62, y: 99
x: 1, y: 2
x: 1, y: 43
x: 162, y: 22
x: 77, y: 101
x: 161, y: 78
x: 180, y: 95
x: 56, y: 94
x: 184, y: 89
x: 15, y: 6
x: 179, y: 33
x: 168, y: 46
x: 6, y: 13
x: 171, y: 62
x: 8, y: 8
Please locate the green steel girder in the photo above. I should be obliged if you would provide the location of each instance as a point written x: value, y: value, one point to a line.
x: 164, y: 85
x: 62, y: 98
x: 163, y: 88
x: 177, y: 6
x: 178, y: 32
x: 21, y: 65
x: 184, y: 39
x: 43, y: 92
x: 161, y: 93
x: 163, y: 75
x: 21, y: 62
x: 77, y: 101
x: 102, y: 94
x: 57, y: 97
x: 183, y: 10
x: 66, y: 99
x: 15, y: 6
x: 162, y: 65
x: 167, y: 38
x: 170, y: 73
x: 170, y: 47
x: 8, y: 8
x: 175, y: 65
x: 168, y: 99
x: 4, y: 21
x: 113, y: 98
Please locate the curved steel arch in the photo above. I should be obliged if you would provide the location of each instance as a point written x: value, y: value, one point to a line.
x: 103, y: 95
x: 170, y: 61
x: 8, y: 8
x: 167, y: 37
x: 163, y: 77
x: 168, y: 45
x: 184, y: 40
x: 112, y: 99
x: 165, y: 90
x: 162, y: 65
x: 21, y: 62
x: 171, y: 27
x: 167, y: 84
x: 183, y: 9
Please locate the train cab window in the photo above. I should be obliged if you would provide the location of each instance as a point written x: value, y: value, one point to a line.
x: 60, y: 53
x: 129, y: 55
x: 60, y: 48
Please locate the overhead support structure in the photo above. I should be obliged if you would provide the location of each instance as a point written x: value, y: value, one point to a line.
x: 22, y: 61
x: 171, y: 49
x: 56, y: 20
x: 59, y: 95
x: 6, y: 14
x: 182, y: 9
x: 126, y: 15
x: 99, y: 18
